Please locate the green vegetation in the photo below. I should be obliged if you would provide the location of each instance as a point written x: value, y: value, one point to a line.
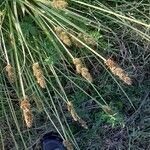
x: 80, y: 68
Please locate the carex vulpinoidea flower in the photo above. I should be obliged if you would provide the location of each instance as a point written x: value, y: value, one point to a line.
x: 10, y: 72
x: 39, y: 75
x: 27, y: 114
x: 82, y: 70
x: 116, y: 70
x: 68, y: 145
x: 64, y: 36
x: 59, y: 4
x: 75, y: 116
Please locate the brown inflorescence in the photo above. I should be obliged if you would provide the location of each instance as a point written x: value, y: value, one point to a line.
x: 82, y: 70
x: 39, y: 75
x: 85, y: 73
x: 64, y: 36
x: 68, y: 145
x: 75, y: 116
x: 25, y: 106
x: 10, y: 73
x: 59, y: 4
x: 116, y: 70
x: 69, y: 40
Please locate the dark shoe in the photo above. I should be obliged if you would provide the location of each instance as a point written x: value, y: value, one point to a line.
x: 52, y: 141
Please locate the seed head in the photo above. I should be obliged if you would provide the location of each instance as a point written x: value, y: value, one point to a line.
x: 10, y: 73
x: 85, y: 73
x: 59, y: 4
x: 72, y: 111
x: 64, y: 36
x: 39, y: 75
x: 25, y: 106
x: 77, y: 61
x: 78, y: 68
x: 75, y: 115
x: 68, y: 145
x: 82, y: 70
x: 116, y: 70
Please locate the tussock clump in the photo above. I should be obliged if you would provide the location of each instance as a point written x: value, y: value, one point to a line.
x: 116, y: 70
x: 82, y: 70
x: 59, y: 4
x: 25, y: 106
x: 39, y: 75
x: 68, y: 145
x: 10, y: 73
x: 64, y: 36
x: 75, y: 116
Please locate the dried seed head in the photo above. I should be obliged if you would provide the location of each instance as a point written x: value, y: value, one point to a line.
x: 10, y: 73
x: 25, y: 106
x: 59, y: 4
x: 78, y: 68
x: 72, y: 111
x: 68, y: 145
x: 85, y: 73
x: 82, y: 70
x: 77, y: 61
x: 39, y: 75
x: 58, y: 30
x: 116, y: 70
x: 108, y: 110
x: 75, y: 115
x: 41, y: 82
x: 64, y: 36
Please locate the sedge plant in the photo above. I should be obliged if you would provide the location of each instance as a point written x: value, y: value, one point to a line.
x: 43, y: 46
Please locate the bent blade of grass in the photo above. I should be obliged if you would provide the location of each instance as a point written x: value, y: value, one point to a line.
x: 113, y: 13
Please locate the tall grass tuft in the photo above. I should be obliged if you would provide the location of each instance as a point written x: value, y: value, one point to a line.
x: 49, y: 50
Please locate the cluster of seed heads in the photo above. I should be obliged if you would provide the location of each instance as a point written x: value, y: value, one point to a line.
x: 116, y: 70
x: 82, y: 70
x: 68, y: 40
x: 75, y: 116
x: 39, y: 75
x: 25, y: 106
x: 59, y: 4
